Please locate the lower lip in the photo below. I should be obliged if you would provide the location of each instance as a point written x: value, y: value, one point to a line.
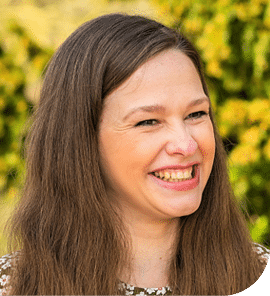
x: 180, y: 186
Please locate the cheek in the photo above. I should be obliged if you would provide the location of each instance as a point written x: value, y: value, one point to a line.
x: 206, y: 143
x: 123, y: 155
x: 112, y: 164
x: 127, y: 157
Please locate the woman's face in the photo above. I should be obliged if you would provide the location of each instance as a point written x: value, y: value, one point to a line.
x: 156, y: 139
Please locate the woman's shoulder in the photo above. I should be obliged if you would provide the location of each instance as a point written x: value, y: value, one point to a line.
x: 5, y: 270
x: 262, y: 251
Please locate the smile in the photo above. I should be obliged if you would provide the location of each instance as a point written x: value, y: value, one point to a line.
x: 178, y: 175
x: 183, y: 179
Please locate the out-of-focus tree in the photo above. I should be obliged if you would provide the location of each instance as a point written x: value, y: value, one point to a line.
x: 21, y: 64
x: 233, y: 38
x: 50, y: 22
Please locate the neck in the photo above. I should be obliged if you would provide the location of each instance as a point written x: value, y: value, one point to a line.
x: 152, y: 249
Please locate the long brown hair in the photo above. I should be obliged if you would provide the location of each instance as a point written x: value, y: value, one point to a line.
x: 72, y: 240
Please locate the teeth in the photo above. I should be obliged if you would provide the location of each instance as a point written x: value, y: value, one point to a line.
x: 180, y: 175
x: 175, y: 175
x: 167, y: 175
x: 187, y: 174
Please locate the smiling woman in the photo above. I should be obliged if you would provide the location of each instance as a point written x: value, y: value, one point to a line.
x: 127, y: 190
x: 167, y: 134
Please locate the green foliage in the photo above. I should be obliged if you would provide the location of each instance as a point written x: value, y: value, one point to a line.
x: 21, y: 65
x: 233, y: 38
x: 260, y: 228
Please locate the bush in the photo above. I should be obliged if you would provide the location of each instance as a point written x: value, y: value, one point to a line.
x: 233, y: 38
x: 21, y: 65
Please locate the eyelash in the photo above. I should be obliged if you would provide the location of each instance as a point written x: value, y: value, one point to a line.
x: 192, y: 116
x: 198, y: 114
x: 144, y: 122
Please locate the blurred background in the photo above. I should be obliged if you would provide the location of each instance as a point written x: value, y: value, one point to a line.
x: 233, y: 38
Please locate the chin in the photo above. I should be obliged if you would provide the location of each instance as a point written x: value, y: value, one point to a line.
x: 185, y: 209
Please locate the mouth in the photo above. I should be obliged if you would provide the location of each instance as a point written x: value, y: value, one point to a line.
x: 176, y: 175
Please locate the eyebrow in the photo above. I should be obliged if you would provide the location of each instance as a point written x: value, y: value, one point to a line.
x: 161, y: 109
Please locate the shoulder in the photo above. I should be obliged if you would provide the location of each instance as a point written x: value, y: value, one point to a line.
x: 5, y: 270
x: 263, y: 252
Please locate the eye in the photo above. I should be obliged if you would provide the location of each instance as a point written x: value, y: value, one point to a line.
x: 148, y: 122
x: 196, y: 115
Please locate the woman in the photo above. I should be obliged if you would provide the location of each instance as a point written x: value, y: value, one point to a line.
x: 126, y: 183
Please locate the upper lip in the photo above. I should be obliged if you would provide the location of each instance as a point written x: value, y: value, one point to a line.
x: 176, y: 167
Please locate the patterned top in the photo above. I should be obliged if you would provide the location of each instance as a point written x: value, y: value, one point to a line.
x: 5, y: 267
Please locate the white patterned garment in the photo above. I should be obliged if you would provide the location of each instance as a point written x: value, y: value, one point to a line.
x: 6, y: 265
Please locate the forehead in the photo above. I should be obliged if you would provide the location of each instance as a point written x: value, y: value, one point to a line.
x: 160, y: 64
x: 162, y: 75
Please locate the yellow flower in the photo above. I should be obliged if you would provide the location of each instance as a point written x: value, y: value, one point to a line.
x: 12, y: 159
x: 241, y: 11
x: 234, y: 112
x: 225, y: 52
x: 259, y: 228
x: 244, y: 154
x: 21, y: 106
x: 193, y: 25
x: 214, y: 69
x: 224, y: 130
x: 258, y: 109
x: 252, y: 135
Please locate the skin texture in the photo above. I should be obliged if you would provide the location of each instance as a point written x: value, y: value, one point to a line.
x: 134, y: 143
x: 129, y: 153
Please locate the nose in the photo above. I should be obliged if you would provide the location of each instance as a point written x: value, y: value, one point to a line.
x: 181, y: 142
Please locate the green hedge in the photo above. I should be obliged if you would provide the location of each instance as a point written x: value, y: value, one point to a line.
x: 233, y: 38
x: 21, y: 64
